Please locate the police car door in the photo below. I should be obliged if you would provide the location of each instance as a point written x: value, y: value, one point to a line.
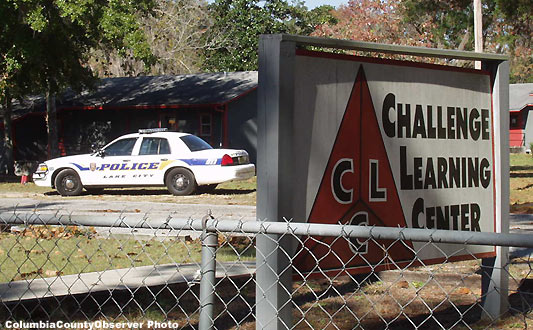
x: 154, y: 153
x: 113, y: 166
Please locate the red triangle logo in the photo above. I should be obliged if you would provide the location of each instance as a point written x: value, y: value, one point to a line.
x: 357, y: 188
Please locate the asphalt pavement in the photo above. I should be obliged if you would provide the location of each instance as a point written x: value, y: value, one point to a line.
x: 518, y: 223
x: 80, y: 206
x: 67, y: 207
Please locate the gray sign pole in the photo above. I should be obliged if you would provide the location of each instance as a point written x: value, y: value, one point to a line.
x: 495, y: 276
x: 275, y: 116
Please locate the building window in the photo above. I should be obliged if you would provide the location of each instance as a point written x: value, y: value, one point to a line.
x: 171, y: 123
x: 514, y: 122
x: 205, y: 125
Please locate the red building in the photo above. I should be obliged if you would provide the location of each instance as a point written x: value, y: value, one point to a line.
x: 520, y: 124
x: 219, y: 107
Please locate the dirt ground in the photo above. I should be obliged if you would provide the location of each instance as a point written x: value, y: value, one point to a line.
x: 423, y: 298
x: 231, y: 193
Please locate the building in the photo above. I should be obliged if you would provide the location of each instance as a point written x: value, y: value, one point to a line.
x: 219, y: 107
x: 521, y: 122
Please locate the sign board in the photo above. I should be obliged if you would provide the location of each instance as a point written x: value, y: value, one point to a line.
x: 392, y: 143
x: 368, y: 141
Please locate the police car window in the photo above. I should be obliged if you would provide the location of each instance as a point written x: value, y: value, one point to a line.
x: 154, y: 146
x: 121, y: 147
x: 194, y: 143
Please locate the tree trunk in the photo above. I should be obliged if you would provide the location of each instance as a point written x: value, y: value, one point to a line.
x: 51, y: 124
x: 8, y: 140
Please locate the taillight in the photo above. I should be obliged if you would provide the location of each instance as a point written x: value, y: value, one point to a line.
x: 226, y: 160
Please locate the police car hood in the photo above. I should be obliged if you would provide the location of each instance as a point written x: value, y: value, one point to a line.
x: 209, y: 153
x: 75, y: 160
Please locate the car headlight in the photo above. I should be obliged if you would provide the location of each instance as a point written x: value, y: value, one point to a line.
x: 42, y: 168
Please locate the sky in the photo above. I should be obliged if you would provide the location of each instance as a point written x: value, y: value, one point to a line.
x: 315, y: 3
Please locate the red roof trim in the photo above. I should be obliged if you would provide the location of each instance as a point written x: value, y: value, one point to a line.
x: 523, y: 108
x: 240, y: 96
x: 139, y: 107
x: 136, y: 107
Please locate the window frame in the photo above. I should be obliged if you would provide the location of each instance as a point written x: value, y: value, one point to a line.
x: 209, y: 124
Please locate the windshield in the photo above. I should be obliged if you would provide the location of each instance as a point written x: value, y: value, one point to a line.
x: 194, y: 143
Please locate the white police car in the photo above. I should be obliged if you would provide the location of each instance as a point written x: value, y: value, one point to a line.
x: 153, y: 157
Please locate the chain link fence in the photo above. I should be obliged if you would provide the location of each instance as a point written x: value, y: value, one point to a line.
x: 141, y: 271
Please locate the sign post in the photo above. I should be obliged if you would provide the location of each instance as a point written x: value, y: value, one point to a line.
x: 361, y: 140
x: 274, y: 172
x: 495, y: 275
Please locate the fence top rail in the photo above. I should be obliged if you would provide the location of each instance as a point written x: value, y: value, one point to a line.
x: 387, y: 48
x: 265, y: 227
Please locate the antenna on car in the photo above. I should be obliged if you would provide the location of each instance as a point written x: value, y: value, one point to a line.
x: 152, y: 130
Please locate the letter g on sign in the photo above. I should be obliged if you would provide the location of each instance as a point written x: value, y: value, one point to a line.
x: 341, y: 194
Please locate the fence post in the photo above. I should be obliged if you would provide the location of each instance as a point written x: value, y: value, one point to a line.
x: 208, y: 270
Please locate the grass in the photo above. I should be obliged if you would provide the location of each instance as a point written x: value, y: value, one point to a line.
x: 523, y: 160
x: 250, y: 184
x: 37, y: 252
x: 521, y: 183
x: 29, y: 188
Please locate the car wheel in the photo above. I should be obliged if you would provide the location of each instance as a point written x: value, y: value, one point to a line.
x: 68, y: 183
x: 208, y: 188
x: 180, y: 182
x: 94, y: 191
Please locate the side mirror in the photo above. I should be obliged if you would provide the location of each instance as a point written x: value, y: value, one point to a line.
x: 100, y: 153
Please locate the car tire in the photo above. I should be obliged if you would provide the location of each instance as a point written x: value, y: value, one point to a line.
x: 94, y: 191
x: 208, y: 188
x: 68, y: 183
x: 180, y: 182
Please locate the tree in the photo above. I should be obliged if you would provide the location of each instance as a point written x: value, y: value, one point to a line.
x: 5, y: 103
x: 373, y: 21
x: 13, y: 77
x: 451, y: 22
x: 242, y: 21
x: 175, y: 32
x: 507, y: 28
x: 55, y: 38
x: 321, y: 15
x: 515, y: 33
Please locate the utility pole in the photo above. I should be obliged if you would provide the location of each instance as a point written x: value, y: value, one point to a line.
x: 478, y: 30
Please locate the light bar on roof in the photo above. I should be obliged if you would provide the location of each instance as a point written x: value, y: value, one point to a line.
x: 152, y: 130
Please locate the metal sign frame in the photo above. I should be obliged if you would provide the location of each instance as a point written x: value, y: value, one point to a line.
x: 275, y: 199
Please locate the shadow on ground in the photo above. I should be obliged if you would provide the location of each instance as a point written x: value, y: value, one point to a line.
x: 156, y: 192
x: 235, y: 307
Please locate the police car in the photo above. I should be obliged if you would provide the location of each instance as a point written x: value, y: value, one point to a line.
x: 152, y: 157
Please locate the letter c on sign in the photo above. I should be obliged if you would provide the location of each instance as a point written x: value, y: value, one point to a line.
x: 341, y: 194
